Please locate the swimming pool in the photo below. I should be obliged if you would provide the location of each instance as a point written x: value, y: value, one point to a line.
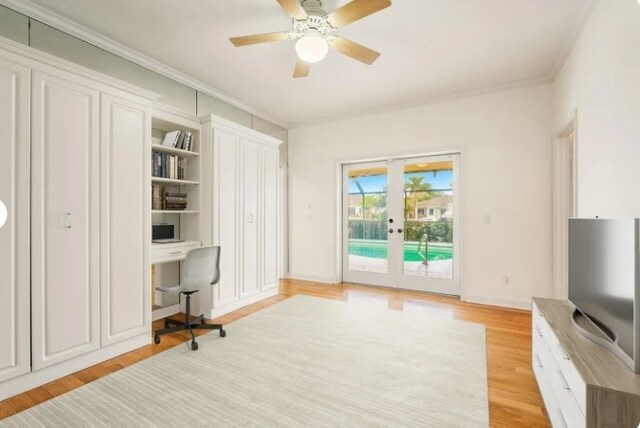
x: 378, y: 250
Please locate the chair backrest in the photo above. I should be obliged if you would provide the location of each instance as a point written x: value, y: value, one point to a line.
x: 201, y: 267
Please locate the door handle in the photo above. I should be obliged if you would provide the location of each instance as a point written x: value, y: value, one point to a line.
x: 67, y: 220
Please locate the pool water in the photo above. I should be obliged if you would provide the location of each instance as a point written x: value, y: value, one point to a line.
x: 379, y: 250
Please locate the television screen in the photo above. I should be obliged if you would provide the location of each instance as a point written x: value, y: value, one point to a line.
x: 602, y: 275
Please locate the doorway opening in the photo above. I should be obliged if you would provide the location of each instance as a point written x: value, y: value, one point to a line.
x: 564, y: 203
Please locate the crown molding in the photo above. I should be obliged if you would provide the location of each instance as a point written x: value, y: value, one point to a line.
x: 426, y: 101
x: 74, y: 29
x: 581, y: 21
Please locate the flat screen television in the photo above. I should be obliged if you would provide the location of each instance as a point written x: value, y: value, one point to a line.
x: 603, y: 281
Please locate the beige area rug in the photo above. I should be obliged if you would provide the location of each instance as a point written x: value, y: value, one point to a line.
x: 304, y: 362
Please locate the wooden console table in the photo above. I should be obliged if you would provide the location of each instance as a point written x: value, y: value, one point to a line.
x: 582, y: 383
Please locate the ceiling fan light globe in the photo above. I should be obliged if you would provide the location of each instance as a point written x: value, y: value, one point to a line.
x: 312, y: 48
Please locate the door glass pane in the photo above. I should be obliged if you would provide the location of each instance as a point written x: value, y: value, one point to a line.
x: 428, y: 224
x: 368, y: 248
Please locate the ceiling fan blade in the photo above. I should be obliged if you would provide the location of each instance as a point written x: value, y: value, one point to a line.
x: 302, y: 69
x: 354, y: 50
x: 259, y: 38
x: 293, y: 8
x: 355, y: 10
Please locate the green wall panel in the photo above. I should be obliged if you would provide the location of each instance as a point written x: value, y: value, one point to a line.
x: 14, y: 25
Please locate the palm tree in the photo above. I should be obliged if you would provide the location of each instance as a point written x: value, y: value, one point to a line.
x: 418, y: 190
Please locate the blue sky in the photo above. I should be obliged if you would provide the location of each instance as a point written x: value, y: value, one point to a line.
x: 375, y: 183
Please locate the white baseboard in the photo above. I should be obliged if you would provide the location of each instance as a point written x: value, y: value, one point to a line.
x: 37, y: 378
x: 312, y: 278
x: 230, y: 307
x: 497, y: 301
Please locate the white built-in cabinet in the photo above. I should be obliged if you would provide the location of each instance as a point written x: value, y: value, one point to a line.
x: 242, y: 185
x: 74, y: 174
x: 125, y: 204
x: 14, y: 235
x: 65, y: 219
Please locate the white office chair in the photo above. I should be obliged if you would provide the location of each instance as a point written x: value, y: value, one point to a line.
x: 201, y: 269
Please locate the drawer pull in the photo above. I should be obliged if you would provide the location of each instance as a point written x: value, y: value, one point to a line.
x: 564, y: 354
x: 562, y: 419
x: 175, y: 252
x: 563, y: 380
x: 538, y: 362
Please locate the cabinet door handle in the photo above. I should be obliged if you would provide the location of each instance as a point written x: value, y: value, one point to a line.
x: 399, y: 230
x: 67, y: 220
x: 175, y: 252
x: 390, y: 230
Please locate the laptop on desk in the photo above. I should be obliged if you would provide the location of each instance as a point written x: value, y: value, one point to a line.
x: 164, y: 234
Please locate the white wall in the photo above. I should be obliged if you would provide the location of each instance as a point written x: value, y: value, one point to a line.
x: 601, y: 78
x: 506, y: 141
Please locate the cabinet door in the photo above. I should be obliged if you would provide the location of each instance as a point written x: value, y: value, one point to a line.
x: 14, y: 235
x: 65, y: 219
x: 124, y: 225
x: 249, y: 221
x: 226, y: 155
x: 270, y: 230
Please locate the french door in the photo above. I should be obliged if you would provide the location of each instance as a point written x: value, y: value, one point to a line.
x: 400, y: 223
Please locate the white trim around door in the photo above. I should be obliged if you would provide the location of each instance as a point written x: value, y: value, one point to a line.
x: 391, y: 233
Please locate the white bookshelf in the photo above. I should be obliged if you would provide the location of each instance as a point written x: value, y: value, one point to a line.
x: 173, y: 181
x: 173, y: 151
x: 187, y: 221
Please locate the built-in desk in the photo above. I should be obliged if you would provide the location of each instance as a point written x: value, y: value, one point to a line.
x: 175, y: 252
x: 169, y: 253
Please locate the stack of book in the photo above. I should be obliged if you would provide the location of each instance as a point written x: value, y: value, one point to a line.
x: 169, y: 166
x: 175, y: 201
x: 182, y: 140
x: 167, y: 201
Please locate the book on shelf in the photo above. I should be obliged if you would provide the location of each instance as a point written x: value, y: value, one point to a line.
x: 182, y: 140
x: 171, y: 138
x: 168, y: 201
x: 156, y: 197
x: 175, y: 201
x: 169, y: 166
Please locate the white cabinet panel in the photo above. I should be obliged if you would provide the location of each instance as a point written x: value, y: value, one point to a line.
x: 65, y: 219
x: 226, y: 160
x: 244, y: 217
x: 124, y: 235
x: 14, y: 235
x: 249, y: 224
x: 270, y: 195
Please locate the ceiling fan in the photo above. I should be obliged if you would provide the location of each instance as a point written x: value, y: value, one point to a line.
x: 313, y: 28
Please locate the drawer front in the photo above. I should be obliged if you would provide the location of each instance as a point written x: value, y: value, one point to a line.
x: 171, y: 252
x: 568, y: 412
x: 570, y: 374
x: 550, y: 402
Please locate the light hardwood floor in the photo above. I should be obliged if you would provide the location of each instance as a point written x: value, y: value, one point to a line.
x: 514, y: 399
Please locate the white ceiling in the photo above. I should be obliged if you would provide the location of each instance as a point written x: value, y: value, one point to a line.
x: 430, y: 49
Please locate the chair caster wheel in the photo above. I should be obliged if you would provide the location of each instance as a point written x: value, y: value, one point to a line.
x: 156, y: 339
x: 194, y: 345
x: 222, y: 333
